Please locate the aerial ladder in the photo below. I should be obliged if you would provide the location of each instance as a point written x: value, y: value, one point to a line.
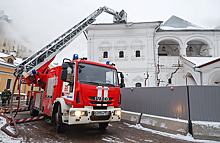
x: 34, y: 70
x: 42, y: 58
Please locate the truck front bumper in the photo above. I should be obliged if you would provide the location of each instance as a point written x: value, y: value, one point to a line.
x: 89, y: 115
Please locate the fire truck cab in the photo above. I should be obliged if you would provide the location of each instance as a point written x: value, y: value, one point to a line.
x: 79, y: 92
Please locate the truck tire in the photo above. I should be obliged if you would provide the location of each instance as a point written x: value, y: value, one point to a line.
x: 102, y: 126
x: 33, y: 112
x: 59, y: 123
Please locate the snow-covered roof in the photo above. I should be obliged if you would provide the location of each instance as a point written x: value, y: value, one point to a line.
x: 176, y: 23
x: 3, y: 62
x: 7, y: 64
x: 202, y: 61
x: 4, y: 55
x: 130, y: 22
x: 17, y: 61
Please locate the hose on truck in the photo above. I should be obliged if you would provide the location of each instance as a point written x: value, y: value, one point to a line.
x: 11, y: 119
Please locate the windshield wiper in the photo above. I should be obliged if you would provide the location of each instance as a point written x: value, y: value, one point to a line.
x: 89, y: 82
x: 108, y: 84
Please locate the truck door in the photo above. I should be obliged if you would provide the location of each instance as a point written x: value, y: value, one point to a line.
x: 49, y: 96
x: 69, y: 86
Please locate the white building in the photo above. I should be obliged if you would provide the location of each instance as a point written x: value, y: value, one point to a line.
x: 152, y: 54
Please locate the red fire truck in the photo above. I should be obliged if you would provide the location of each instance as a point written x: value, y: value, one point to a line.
x: 79, y: 91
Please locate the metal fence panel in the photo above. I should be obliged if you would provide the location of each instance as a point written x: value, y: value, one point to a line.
x: 160, y: 101
x: 204, y: 103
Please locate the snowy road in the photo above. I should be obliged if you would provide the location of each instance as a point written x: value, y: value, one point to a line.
x: 41, y: 131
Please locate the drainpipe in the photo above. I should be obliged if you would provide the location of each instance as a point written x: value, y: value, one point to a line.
x: 155, y: 61
x: 194, y: 68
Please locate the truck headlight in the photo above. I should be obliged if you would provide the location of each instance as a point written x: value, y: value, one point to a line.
x: 117, y: 112
x: 78, y: 113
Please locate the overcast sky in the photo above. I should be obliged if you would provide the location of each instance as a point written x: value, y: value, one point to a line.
x: 41, y: 21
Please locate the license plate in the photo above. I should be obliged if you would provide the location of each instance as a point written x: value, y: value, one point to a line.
x: 101, y: 113
x: 102, y: 98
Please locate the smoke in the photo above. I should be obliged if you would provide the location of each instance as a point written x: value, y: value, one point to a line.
x: 36, y: 23
x: 10, y: 33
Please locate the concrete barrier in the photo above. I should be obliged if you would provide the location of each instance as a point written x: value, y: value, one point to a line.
x: 206, y: 130
x: 201, y: 130
x: 130, y: 117
x: 174, y: 126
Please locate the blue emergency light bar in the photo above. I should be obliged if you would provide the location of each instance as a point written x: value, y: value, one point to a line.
x: 107, y: 63
x: 33, y: 72
x: 75, y: 57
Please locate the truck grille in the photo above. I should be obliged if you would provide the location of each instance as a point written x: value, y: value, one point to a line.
x: 98, y: 102
x: 97, y: 118
x: 100, y: 107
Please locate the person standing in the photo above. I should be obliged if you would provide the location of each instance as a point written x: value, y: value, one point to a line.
x: 4, y: 98
x: 9, y: 96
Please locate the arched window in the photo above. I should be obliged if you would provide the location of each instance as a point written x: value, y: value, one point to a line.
x: 105, y: 54
x: 121, y: 54
x: 10, y: 60
x: 137, y: 53
x: 138, y: 84
x: 3, y: 50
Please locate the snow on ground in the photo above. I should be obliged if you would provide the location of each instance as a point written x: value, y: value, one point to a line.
x: 109, y: 125
x: 4, y: 137
x: 131, y: 140
x: 108, y: 139
x: 148, y: 140
x: 188, y: 137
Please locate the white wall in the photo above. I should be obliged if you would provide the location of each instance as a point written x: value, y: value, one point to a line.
x: 114, y: 38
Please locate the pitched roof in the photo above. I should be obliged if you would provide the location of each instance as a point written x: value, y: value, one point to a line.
x: 3, y: 55
x: 200, y: 62
x: 2, y: 61
x: 176, y: 23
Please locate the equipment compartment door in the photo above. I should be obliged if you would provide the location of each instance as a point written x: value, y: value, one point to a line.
x: 49, y: 96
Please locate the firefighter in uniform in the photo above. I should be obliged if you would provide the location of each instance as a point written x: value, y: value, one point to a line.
x: 8, y: 96
x: 4, y: 98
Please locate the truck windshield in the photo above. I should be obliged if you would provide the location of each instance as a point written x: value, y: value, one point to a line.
x: 97, y: 75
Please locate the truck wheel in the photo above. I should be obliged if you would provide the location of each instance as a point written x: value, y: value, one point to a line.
x: 59, y: 123
x: 102, y: 126
x: 33, y: 112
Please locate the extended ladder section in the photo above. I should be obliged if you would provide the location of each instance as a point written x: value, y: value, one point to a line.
x: 46, y: 54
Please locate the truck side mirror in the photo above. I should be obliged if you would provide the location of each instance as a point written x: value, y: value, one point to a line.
x: 122, y: 80
x: 122, y: 83
x: 64, y: 66
x: 121, y: 75
x: 63, y: 76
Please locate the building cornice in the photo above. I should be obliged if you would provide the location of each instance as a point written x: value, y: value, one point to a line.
x: 190, y: 30
x: 9, y: 66
x: 112, y: 26
x: 6, y: 73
